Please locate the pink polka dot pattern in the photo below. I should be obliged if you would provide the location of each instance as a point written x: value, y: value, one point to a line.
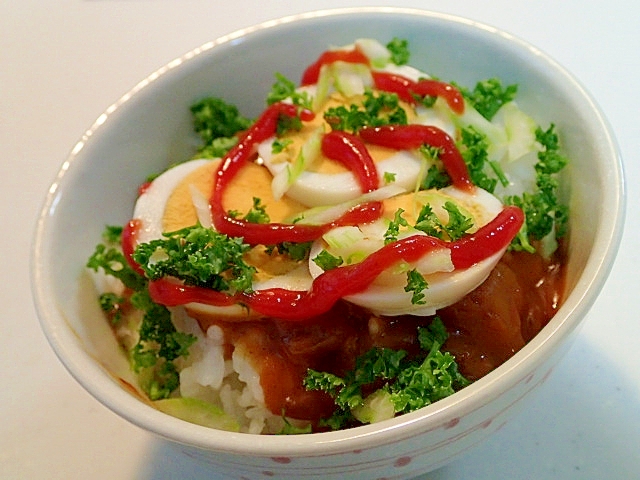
x: 283, y: 460
x: 402, y: 462
x: 452, y: 423
x: 389, y: 465
x: 486, y: 423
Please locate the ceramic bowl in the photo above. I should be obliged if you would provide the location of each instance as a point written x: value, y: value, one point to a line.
x: 150, y: 127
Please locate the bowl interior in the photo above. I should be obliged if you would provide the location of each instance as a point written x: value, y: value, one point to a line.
x: 150, y: 127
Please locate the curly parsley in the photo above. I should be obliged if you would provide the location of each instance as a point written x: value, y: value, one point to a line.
x: 543, y: 211
x: 111, y: 260
x: 217, y: 122
x: 256, y: 214
x: 393, y: 229
x: 488, y: 96
x: 159, y: 343
x: 416, y: 284
x: 407, y: 382
x: 376, y: 109
x: 198, y: 256
x: 285, y: 89
x: 456, y: 227
x: 399, y: 49
x: 473, y: 148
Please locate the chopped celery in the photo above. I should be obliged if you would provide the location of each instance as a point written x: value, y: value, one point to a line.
x: 376, y: 407
x: 520, y: 130
x: 378, y: 54
x: 199, y: 412
x: 286, y: 177
x: 351, y: 79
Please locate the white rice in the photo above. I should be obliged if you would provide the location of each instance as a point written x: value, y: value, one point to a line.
x: 232, y: 384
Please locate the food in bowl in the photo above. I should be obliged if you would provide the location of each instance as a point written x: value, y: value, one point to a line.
x: 374, y: 241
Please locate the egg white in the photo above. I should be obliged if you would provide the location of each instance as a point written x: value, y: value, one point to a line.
x: 446, y: 285
x: 314, y: 189
x: 150, y: 206
x: 149, y: 210
x: 386, y: 296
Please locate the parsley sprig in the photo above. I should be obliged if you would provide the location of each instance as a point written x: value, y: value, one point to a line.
x: 285, y: 89
x: 376, y: 109
x: 399, y: 49
x: 488, y: 96
x: 457, y: 225
x: 544, y: 212
x: 407, y: 382
x: 217, y: 122
x: 416, y: 284
x: 474, y: 148
x: 256, y: 214
x: 159, y: 344
x: 198, y: 256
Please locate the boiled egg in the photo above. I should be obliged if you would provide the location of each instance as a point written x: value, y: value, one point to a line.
x: 302, y: 172
x: 179, y: 198
x: 446, y: 285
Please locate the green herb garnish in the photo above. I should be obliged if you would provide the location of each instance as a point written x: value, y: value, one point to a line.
x: 399, y: 49
x: 198, y: 256
x: 326, y: 261
x: 405, y: 383
x: 473, y: 148
x: 416, y: 284
x: 377, y: 109
x: 285, y: 89
x: 544, y: 213
x: 217, y: 122
x: 159, y: 343
x: 393, y: 229
x: 297, y: 251
x: 488, y: 96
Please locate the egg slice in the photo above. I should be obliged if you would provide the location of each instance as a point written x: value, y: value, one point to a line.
x: 323, y: 181
x: 327, y: 187
x: 150, y: 206
x: 446, y: 285
x: 179, y: 198
x: 318, y: 180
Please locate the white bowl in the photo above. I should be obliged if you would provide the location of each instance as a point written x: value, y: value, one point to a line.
x: 150, y: 127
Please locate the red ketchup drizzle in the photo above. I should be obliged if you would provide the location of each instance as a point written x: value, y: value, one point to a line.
x: 172, y: 293
x: 273, y: 233
x: 128, y: 243
x: 349, y: 150
x: 334, y: 284
x: 408, y: 89
x: 142, y: 189
x: 311, y: 74
x: 407, y: 137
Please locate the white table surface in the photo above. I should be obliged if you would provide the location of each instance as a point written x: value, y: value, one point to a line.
x: 62, y: 63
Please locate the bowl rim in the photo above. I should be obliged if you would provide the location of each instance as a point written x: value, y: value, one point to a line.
x: 85, y: 369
